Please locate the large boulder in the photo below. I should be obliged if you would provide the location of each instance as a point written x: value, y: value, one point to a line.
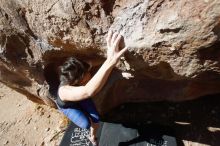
x: 173, y: 47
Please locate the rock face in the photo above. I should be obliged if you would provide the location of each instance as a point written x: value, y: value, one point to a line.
x: 173, y: 47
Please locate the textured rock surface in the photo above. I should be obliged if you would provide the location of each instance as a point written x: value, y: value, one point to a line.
x: 173, y: 46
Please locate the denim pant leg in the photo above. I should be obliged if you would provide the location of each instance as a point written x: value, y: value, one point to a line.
x: 77, y: 116
x: 89, y: 106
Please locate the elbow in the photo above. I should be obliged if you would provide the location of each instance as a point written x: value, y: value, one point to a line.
x: 89, y: 91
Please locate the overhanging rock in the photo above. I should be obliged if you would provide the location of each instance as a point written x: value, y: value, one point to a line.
x: 173, y: 47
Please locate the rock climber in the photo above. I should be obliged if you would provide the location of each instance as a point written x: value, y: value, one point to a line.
x: 77, y: 86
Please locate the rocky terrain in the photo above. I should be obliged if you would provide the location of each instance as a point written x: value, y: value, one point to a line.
x: 173, y: 56
x: 173, y: 47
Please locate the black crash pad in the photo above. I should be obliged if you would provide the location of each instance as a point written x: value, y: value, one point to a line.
x: 113, y: 134
x: 118, y: 134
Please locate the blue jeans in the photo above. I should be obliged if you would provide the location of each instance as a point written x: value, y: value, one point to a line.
x: 81, y: 112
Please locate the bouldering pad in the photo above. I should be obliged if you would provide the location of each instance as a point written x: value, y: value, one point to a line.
x: 121, y: 134
x: 114, y: 134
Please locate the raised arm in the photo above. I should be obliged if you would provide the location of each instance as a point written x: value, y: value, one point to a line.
x: 77, y: 93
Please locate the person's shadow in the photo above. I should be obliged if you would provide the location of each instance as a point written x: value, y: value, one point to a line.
x: 151, y: 133
x: 191, y: 121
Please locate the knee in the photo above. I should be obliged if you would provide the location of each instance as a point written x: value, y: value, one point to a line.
x: 84, y: 124
x: 77, y: 118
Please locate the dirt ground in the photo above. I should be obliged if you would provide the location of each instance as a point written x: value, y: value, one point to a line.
x: 24, y: 123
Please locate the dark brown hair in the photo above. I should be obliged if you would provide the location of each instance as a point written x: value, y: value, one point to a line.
x: 72, y: 70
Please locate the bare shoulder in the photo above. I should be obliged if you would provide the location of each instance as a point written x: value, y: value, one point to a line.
x: 64, y: 88
x: 61, y: 91
x: 72, y: 93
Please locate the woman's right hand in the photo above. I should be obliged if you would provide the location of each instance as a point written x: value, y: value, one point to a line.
x: 113, y: 52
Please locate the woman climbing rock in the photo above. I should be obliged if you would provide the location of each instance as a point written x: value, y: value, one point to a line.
x: 77, y: 86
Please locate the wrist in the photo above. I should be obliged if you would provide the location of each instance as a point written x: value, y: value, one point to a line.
x: 110, y: 62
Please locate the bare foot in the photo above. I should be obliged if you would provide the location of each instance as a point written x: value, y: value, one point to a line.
x: 93, y: 130
x: 93, y: 140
